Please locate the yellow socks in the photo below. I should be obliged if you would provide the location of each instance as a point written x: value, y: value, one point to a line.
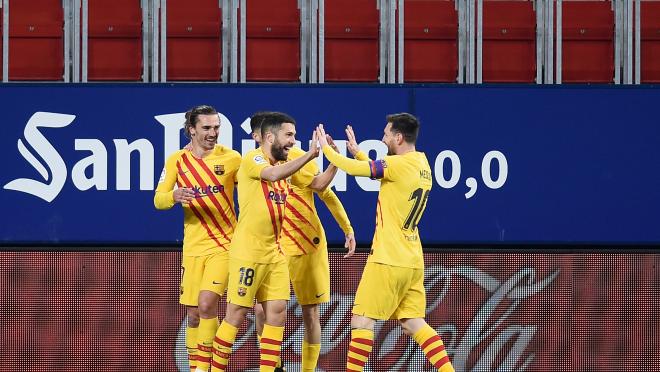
x: 310, y: 356
x: 271, y: 344
x: 191, y: 346
x: 362, y: 340
x: 205, y: 335
x: 222, y: 343
x: 433, y: 348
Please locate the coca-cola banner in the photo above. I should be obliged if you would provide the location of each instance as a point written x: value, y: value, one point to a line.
x: 119, y: 311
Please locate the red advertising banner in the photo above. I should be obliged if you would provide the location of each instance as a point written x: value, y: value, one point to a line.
x: 119, y: 311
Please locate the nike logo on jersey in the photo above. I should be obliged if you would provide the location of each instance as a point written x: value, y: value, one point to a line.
x: 319, y: 296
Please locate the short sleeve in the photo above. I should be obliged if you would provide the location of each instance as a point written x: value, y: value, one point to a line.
x: 305, y: 175
x: 254, y: 163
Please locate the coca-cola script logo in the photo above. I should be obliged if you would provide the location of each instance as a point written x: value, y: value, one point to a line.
x: 487, y: 336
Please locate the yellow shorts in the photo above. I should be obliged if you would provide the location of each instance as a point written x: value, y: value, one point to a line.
x: 264, y: 282
x: 390, y: 292
x: 203, y: 273
x: 310, y: 277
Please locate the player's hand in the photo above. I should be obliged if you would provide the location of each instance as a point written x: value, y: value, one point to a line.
x: 351, y: 143
x: 321, y: 135
x: 331, y: 143
x: 314, y: 145
x: 350, y: 245
x: 183, y: 195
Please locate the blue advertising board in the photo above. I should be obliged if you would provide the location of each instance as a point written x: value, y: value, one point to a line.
x: 511, y: 164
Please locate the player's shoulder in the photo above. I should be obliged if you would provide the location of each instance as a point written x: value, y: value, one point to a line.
x: 255, y: 156
x: 175, y: 156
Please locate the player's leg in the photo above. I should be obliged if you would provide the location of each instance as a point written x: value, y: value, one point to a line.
x: 377, y: 297
x: 243, y: 282
x: 311, y: 347
x: 310, y: 277
x: 411, y: 313
x: 214, y: 282
x: 191, y: 276
x: 192, y: 332
x: 273, y: 294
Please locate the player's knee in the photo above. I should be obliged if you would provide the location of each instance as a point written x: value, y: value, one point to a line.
x: 193, y: 316
x: 208, y: 308
x: 235, y: 314
x: 310, y: 314
x: 411, y: 326
x: 361, y: 322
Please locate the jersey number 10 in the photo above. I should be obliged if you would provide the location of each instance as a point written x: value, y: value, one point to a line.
x: 420, y: 197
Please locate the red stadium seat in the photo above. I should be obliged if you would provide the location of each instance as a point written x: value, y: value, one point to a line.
x: 1, y: 38
x: 194, y: 45
x: 273, y: 40
x: 351, y: 40
x: 588, y: 42
x: 430, y: 41
x: 115, y: 40
x: 36, y: 43
x: 650, y: 41
x: 509, y: 42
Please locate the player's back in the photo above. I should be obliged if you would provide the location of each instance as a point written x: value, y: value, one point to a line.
x: 404, y: 192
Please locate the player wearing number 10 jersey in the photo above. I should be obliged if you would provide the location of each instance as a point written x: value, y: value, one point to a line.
x: 392, y: 284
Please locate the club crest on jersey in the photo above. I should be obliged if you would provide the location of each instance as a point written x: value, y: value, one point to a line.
x: 259, y: 159
x: 219, y: 169
x: 242, y: 291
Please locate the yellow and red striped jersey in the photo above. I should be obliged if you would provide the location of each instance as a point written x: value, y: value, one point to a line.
x: 302, y: 231
x: 405, y: 184
x: 210, y: 219
x: 262, y: 204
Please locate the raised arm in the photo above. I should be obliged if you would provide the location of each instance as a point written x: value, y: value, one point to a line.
x: 363, y: 168
x: 281, y: 171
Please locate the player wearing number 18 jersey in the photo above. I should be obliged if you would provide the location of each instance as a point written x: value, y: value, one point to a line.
x: 392, y: 284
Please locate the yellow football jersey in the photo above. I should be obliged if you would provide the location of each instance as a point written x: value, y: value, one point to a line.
x: 262, y: 207
x: 209, y: 220
x: 406, y: 182
x: 302, y: 231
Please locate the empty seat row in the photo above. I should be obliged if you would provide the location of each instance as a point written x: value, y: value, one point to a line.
x: 351, y: 53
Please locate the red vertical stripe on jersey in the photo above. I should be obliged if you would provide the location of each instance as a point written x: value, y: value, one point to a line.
x: 271, y: 210
x: 280, y: 212
x: 285, y: 232
x: 204, y: 207
x: 212, y: 197
x: 217, y: 181
x: 380, y: 213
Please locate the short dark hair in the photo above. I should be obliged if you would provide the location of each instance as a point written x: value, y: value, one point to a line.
x: 192, y: 116
x: 406, y: 124
x: 257, y: 118
x: 273, y: 121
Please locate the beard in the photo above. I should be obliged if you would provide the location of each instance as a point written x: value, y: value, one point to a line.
x: 390, y: 149
x: 277, y: 150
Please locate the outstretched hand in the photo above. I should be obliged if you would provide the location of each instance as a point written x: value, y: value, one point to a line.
x: 321, y: 136
x: 314, y: 145
x: 351, y: 143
